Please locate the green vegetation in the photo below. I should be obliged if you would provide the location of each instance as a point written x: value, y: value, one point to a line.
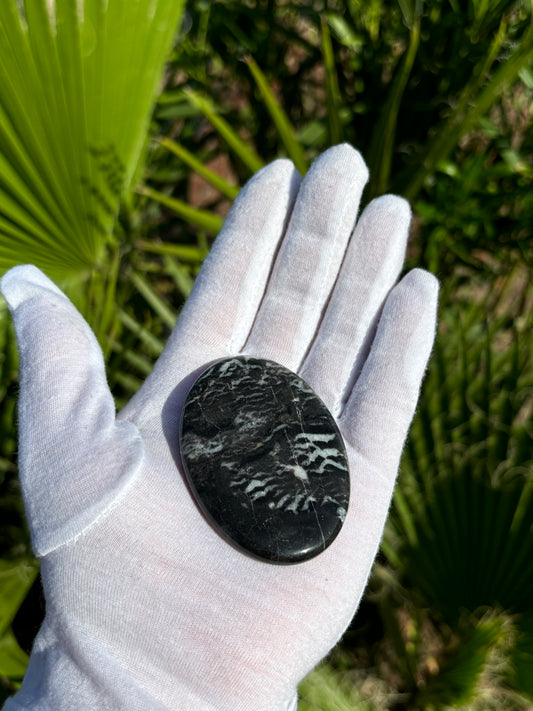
x: 122, y: 210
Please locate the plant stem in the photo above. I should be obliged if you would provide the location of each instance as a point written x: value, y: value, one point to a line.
x: 383, y: 138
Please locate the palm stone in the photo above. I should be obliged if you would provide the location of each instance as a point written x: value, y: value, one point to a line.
x: 264, y: 459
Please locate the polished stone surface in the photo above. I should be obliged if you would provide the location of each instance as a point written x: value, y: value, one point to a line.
x: 264, y: 459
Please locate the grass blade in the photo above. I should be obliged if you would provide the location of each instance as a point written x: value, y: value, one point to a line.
x: 383, y: 137
x: 153, y: 344
x: 241, y: 149
x: 280, y: 118
x: 334, y: 100
x: 203, y: 219
x: 181, y: 277
x: 154, y: 300
x: 184, y: 252
x: 228, y: 190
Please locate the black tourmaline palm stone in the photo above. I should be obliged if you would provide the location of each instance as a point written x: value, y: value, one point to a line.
x: 265, y: 459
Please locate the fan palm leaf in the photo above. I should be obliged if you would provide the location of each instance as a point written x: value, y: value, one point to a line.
x: 77, y: 82
x: 461, y: 529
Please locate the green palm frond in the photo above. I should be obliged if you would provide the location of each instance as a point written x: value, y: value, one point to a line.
x: 520, y: 676
x: 456, y: 683
x: 323, y: 690
x: 77, y: 84
x: 279, y: 118
x: 16, y: 579
x: 461, y: 528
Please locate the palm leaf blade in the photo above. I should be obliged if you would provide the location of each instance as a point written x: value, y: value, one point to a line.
x: 77, y: 83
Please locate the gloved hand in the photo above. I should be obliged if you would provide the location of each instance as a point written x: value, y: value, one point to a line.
x: 147, y: 607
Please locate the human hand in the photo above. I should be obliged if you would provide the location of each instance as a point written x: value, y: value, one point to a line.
x: 147, y: 606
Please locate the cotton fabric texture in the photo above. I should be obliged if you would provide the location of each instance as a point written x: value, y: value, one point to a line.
x: 147, y: 607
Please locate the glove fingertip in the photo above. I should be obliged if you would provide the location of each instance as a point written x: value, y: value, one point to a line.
x: 423, y: 286
x: 23, y: 282
x: 391, y: 205
x: 345, y: 159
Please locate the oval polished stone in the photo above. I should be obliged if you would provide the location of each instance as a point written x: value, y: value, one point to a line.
x: 265, y: 459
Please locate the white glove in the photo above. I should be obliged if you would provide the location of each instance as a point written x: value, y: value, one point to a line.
x: 147, y: 607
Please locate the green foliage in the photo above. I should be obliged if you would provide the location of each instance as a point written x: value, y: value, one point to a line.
x: 241, y: 148
x: 16, y: 579
x: 465, y: 506
x: 202, y: 219
x: 159, y: 280
x: 519, y: 675
x: 77, y: 85
x: 13, y: 535
x: 279, y: 119
x: 228, y: 190
x: 489, y: 187
x: 323, y: 690
x: 456, y: 683
x: 438, y: 95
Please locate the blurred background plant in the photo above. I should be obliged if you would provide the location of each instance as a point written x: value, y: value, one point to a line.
x: 122, y: 211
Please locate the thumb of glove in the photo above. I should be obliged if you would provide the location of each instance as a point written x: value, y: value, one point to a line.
x: 66, y: 415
